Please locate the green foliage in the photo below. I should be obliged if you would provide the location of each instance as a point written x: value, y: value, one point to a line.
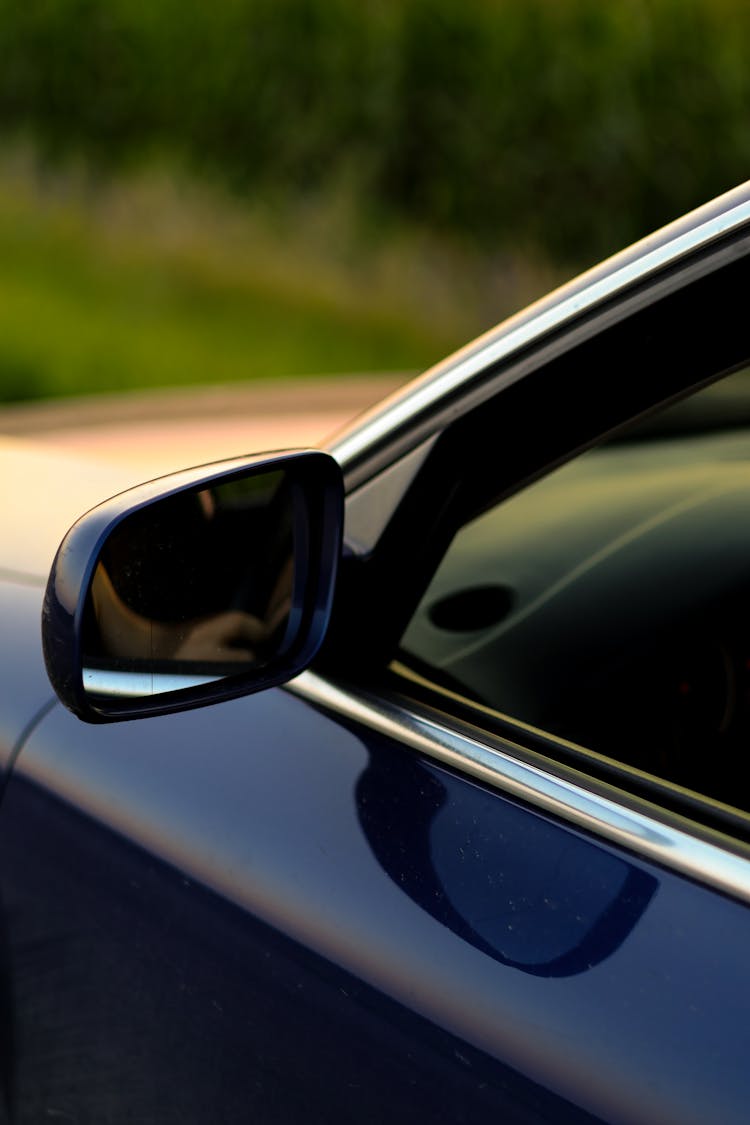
x: 565, y: 126
x: 131, y: 285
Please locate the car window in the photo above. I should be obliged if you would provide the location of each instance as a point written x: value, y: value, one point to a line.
x: 608, y: 604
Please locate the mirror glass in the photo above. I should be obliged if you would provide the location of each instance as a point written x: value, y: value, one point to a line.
x: 193, y: 588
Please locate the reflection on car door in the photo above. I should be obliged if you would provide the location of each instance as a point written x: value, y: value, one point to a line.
x: 256, y: 911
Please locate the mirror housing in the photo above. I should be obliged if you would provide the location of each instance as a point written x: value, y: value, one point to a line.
x: 200, y: 586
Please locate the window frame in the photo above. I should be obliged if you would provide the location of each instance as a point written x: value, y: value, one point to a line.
x: 459, y: 477
x: 690, y: 322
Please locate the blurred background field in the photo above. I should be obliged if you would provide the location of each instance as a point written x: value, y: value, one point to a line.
x: 147, y: 281
x: 197, y: 193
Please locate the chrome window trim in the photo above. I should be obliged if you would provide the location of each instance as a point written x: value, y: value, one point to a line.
x: 647, y: 836
x: 658, y: 252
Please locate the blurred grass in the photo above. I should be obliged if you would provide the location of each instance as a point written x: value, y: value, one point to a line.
x: 153, y: 281
x: 92, y: 300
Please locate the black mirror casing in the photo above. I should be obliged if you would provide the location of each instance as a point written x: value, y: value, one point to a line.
x: 312, y: 518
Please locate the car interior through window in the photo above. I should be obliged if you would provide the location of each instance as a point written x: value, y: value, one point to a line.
x: 608, y: 603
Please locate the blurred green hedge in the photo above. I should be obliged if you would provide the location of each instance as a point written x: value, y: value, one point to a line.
x: 563, y: 127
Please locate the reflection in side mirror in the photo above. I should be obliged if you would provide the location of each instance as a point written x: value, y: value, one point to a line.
x: 196, y: 587
x: 192, y: 587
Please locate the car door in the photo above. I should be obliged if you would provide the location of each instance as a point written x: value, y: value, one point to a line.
x: 380, y: 893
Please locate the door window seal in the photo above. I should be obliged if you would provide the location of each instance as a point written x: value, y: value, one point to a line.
x: 642, y: 828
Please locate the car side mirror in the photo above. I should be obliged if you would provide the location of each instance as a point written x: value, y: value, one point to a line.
x: 200, y: 586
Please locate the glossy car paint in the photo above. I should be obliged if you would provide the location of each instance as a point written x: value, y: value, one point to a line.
x: 169, y: 880
x: 269, y: 910
x: 26, y: 688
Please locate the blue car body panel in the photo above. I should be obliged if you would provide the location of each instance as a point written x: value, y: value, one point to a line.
x: 25, y: 687
x: 260, y: 912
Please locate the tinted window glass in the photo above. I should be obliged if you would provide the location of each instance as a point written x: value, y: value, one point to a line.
x: 609, y: 603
